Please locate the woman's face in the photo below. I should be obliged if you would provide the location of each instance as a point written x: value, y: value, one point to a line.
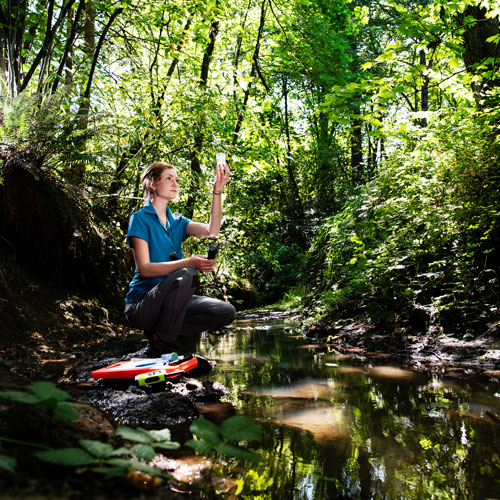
x: 168, y: 185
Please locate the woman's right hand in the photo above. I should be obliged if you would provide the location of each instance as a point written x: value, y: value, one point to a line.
x: 201, y: 263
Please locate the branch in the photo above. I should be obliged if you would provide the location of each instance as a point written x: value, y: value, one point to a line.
x: 255, y: 69
x: 46, y: 44
x: 260, y: 75
x: 98, y: 50
x: 69, y: 43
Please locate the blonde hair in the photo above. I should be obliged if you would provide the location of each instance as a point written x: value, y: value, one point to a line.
x: 151, y: 175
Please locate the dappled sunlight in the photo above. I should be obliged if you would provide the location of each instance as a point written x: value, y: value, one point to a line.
x: 352, y: 369
x: 311, y: 390
x: 394, y: 372
x: 325, y: 424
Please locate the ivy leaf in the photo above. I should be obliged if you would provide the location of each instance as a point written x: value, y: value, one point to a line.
x: 161, y: 435
x: 97, y: 448
x: 47, y: 390
x: 199, y: 445
x: 241, y: 428
x: 20, y: 397
x: 138, y: 435
x: 64, y: 411
x: 206, y: 430
x: 124, y: 463
x: 71, y: 457
x: 144, y: 452
x: 7, y: 463
x: 167, y: 445
x: 237, y: 452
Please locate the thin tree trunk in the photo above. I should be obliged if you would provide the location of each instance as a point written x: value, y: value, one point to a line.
x: 78, y: 171
x: 297, y: 201
x: 200, y: 132
x: 424, y: 90
x: 66, y: 59
x: 253, y: 71
x: 357, y: 148
x: 47, y: 43
x: 89, y: 50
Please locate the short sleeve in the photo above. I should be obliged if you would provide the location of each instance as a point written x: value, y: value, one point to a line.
x: 137, y: 228
x: 185, y: 224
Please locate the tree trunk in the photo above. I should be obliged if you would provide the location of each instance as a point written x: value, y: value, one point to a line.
x: 479, y: 50
x: 44, y: 53
x: 296, y: 201
x: 78, y: 171
x: 67, y: 59
x: 89, y: 50
x: 200, y: 131
x: 356, y: 141
x: 424, y: 90
x: 253, y: 71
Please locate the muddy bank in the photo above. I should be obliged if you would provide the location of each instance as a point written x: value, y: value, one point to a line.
x: 173, y: 405
x: 82, y: 340
x: 438, y: 351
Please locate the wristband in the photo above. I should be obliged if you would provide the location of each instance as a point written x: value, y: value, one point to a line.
x: 214, y: 192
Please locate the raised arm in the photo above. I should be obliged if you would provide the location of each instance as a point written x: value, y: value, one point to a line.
x: 211, y: 229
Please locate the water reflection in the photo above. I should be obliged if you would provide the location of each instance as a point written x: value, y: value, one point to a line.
x: 336, y: 426
x: 314, y: 390
x: 325, y: 424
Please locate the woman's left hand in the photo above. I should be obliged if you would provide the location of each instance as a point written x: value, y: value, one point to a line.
x: 222, y: 176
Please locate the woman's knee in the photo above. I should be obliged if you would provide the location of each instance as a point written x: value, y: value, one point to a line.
x: 187, y: 277
x: 229, y: 313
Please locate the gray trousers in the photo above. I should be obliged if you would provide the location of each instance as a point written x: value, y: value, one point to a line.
x: 171, y: 310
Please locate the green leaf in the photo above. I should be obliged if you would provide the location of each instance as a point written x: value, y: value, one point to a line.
x: 120, y: 451
x: 237, y: 452
x: 206, y: 430
x: 50, y: 404
x: 201, y: 446
x: 97, y: 448
x: 144, y: 452
x: 161, y: 435
x: 21, y: 397
x: 7, y: 463
x: 138, y: 435
x: 47, y: 390
x: 71, y: 457
x: 136, y: 465
x: 64, y: 411
x: 168, y: 445
x: 241, y: 428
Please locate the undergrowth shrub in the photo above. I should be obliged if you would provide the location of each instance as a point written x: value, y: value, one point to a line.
x: 424, y: 231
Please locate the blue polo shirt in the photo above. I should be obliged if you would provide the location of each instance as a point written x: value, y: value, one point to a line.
x: 162, y: 240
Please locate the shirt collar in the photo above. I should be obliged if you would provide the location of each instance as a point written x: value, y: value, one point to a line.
x: 151, y: 210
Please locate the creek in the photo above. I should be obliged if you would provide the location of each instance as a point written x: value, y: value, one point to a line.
x: 345, y: 426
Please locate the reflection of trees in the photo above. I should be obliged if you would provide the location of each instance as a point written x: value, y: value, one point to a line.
x: 408, y: 437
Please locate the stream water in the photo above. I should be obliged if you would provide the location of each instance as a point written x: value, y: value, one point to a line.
x: 339, y: 426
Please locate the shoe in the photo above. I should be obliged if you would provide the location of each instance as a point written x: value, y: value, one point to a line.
x: 157, y: 347
x: 223, y: 330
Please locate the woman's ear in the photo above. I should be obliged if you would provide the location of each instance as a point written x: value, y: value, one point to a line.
x: 152, y: 186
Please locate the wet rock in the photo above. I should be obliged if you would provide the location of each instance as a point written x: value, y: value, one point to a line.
x: 200, y: 392
x: 421, y: 317
x: 136, y: 408
x: 83, y: 312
